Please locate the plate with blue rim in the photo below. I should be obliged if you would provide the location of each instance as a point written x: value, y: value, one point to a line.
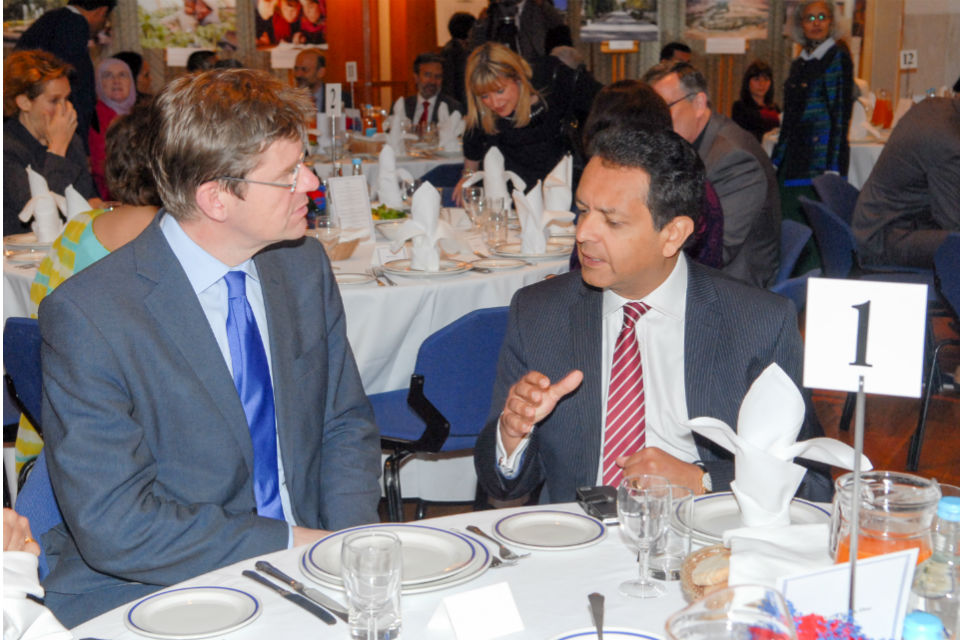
x: 715, y: 513
x: 609, y: 633
x: 548, y: 530
x: 192, y: 612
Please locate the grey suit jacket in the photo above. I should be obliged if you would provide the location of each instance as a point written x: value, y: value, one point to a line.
x: 147, y: 443
x: 732, y: 333
x: 410, y: 106
x: 740, y: 171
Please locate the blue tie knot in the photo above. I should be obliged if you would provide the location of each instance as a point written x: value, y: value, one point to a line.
x: 236, y: 284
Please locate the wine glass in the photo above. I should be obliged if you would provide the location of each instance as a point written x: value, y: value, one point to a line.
x: 472, y: 202
x: 744, y: 611
x: 643, y: 509
x: 327, y: 231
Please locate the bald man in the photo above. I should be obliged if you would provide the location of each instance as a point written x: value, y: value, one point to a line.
x: 309, y: 69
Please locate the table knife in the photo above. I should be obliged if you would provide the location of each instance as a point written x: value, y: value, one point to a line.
x: 295, y: 598
x: 319, y: 597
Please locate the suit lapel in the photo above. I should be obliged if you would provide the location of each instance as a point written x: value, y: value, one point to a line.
x: 586, y: 331
x: 701, y: 340
x: 178, y: 312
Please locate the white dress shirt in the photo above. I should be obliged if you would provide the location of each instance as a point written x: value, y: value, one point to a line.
x: 660, y: 334
x: 418, y: 112
x: 205, y: 274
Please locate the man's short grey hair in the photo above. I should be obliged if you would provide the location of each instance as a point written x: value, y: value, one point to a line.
x: 796, y: 28
x: 690, y: 77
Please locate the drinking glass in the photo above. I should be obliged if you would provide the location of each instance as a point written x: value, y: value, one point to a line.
x: 643, y: 509
x: 744, y: 611
x: 371, y: 565
x: 668, y: 553
x: 472, y: 203
x: 430, y: 137
x: 327, y: 230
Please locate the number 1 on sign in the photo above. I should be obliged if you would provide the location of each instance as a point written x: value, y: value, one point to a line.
x: 863, y: 325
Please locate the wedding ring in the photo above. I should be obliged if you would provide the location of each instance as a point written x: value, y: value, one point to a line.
x: 28, y: 540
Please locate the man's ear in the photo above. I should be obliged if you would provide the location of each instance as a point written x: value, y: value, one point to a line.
x: 210, y: 201
x: 674, y: 234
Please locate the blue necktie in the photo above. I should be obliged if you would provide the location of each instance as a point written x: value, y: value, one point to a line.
x: 251, y: 375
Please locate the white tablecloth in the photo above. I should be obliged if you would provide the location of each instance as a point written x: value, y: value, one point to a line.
x: 549, y: 587
x: 863, y: 155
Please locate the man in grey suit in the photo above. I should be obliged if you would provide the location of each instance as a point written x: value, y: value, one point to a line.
x: 189, y: 423
x: 737, y: 167
x: 700, y: 343
x: 428, y: 74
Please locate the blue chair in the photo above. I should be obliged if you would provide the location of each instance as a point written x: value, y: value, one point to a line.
x: 838, y: 194
x: 21, y: 361
x: 37, y: 502
x: 947, y: 267
x: 448, y: 400
x: 795, y: 288
x: 793, y: 238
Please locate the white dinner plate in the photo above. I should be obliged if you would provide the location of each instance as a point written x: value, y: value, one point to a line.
x: 447, y: 268
x: 25, y: 257
x: 550, y: 530
x: 192, y: 612
x: 555, y: 249
x: 474, y: 569
x: 715, y: 513
x: 614, y: 633
x: 499, y: 263
x: 428, y: 553
x: 444, y: 153
x: 563, y: 231
x: 389, y: 228
x: 352, y: 278
x: 25, y: 242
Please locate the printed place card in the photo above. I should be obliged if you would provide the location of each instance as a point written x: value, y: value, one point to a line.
x: 470, y: 616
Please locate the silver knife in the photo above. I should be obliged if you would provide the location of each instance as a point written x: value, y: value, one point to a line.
x: 319, y: 597
x: 295, y: 598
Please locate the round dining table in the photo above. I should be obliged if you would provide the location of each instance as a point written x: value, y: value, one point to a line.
x: 549, y: 589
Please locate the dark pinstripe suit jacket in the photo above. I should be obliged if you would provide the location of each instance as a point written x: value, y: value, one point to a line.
x: 732, y: 333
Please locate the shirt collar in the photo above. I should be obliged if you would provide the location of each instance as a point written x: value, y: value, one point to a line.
x: 819, y: 51
x: 421, y: 99
x: 202, y: 269
x: 670, y: 298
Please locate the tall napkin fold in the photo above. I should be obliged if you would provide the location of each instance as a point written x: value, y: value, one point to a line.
x: 74, y: 203
x: 764, y: 445
x: 42, y: 207
x: 389, y: 177
x: 558, y: 186
x: 396, y: 138
x: 495, y: 177
x: 427, y: 231
x: 449, y: 128
x: 535, y: 219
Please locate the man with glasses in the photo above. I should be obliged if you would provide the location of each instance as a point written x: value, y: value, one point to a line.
x: 201, y: 401
x: 737, y: 167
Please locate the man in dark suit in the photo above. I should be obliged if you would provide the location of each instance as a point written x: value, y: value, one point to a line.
x: 66, y: 33
x: 424, y: 107
x: 737, y: 167
x: 601, y: 368
x: 201, y: 401
x: 309, y: 70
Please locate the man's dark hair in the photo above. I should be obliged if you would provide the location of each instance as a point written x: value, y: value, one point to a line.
x: 460, y: 24
x: 90, y: 5
x: 201, y: 61
x: 676, y: 171
x: 631, y: 104
x: 558, y: 36
x: 426, y: 58
x: 667, y: 52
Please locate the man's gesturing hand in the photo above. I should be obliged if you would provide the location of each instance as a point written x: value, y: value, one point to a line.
x: 531, y: 400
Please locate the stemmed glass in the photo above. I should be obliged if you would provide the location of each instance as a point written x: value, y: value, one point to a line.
x: 328, y: 232
x: 472, y: 202
x: 643, y: 509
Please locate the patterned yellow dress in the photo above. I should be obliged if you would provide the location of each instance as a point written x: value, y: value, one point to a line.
x: 76, y: 249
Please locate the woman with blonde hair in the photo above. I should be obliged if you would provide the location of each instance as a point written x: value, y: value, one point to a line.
x: 531, y: 115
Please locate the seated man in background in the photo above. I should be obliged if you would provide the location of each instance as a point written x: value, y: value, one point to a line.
x: 670, y: 339
x: 737, y: 167
x: 201, y: 401
x: 309, y: 70
x: 424, y: 107
x: 909, y: 203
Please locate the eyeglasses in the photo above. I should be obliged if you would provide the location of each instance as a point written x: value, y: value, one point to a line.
x: 292, y: 186
x: 682, y: 98
x: 816, y: 17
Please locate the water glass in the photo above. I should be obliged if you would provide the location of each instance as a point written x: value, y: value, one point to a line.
x: 666, y: 558
x: 745, y: 611
x: 643, y: 509
x: 327, y: 231
x: 494, y: 227
x: 473, y: 202
x: 371, y: 565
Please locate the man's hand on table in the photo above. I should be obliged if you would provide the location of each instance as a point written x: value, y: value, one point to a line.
x: 303, y: 535
x: 658, y: 462
x: 531, y: 400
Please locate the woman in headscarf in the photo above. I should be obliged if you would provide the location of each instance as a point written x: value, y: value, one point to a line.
x: 116, y: 95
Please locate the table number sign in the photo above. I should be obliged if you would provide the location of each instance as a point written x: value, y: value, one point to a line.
x: 863, y: 328
x: 333, y: 101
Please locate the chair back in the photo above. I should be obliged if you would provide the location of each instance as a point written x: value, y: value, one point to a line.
x: 946, y: 262
x: 838, y: 194
x: 838, y: 248
x: 795, y: 289
x: 444, y: 175
x: 21, y: 361
x: 459, y: 365
x: 35, y: 500
x: 793, y: 238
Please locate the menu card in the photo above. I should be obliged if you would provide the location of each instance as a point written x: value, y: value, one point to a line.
x: 350, y: 202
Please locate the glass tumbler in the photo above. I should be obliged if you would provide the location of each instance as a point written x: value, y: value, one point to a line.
x: 371, y: 566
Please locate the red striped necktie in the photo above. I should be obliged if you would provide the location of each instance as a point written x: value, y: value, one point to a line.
x: 625, y: 425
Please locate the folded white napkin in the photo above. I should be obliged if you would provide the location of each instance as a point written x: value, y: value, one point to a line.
x: 74, y: 203
x: 396, y: 138
x: 42, y: 207
x: 858, y: 120
x: 535, y: 219
x: 323, y: 130
x: 449, y: 128
x: 762, y: 555
x: 495, y: 177
x: 22, y: 617
x: 389, y: 178
x: 428, y: 232
x: 558, y: 186
x: 765, y: 444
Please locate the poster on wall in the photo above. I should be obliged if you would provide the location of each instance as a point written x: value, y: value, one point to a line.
x: 619, y: 20
x: 18, y: 15
x: 291, y: 22
x: 727, y: 19
x: 187, y: 24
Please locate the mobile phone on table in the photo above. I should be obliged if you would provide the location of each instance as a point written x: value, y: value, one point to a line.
x: 599, y: 502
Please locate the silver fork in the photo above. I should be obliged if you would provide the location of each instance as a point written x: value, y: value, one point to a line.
x: 505, y: 553
x: 495, y: 562
x: 380, y: 274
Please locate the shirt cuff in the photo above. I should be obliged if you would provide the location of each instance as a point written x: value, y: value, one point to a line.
x: 509, y: 466
x: 289, y: 536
